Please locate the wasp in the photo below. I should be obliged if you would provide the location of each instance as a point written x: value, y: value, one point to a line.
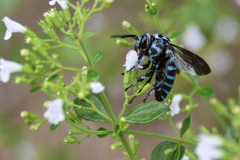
x: 165, y: 59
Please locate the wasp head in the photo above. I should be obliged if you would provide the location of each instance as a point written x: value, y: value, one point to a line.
x: 142, y: 43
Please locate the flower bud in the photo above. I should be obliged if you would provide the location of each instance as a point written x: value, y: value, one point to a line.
x: 67, y: 14
x: 24, y: 52
x: 128, y: 27
x: 123, y: 42
x: 48, y: 17
x: 75, y: 131
x: 70, y: 139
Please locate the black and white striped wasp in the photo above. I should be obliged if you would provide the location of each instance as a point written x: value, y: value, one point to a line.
x: 165, y: 59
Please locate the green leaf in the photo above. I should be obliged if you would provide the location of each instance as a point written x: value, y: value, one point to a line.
x: 205, y: 91
x: 87, y: 34
x: 231, y: 134
x: 52, y: 77
x: 168, y: 151
x: 186, y: 124
x: 175, y: 34
x: 146, y: 112
x: 88, y: 114
x: 102, y: 135
x: 54, y: 127
x: 93, y: 74
x: 96, y: 57
x: 36, y: 89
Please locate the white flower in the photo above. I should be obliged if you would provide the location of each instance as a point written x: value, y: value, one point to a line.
x: 55, y: 113
x: 208, y: 147
x: 62, y: 3
x: 221, y: 61
x: 12, y: 27
x: 97, y: 87
x: 131, y: 59
x: 237, y: 2
x: 174, y: 107
x: 227, y: 29
x: 185, y: 157
x: 193, y: 39
x: 6, y: 68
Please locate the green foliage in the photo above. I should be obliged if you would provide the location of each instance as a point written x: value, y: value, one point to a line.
x: 168, y: 151
x: 146, y: 112
x: 43, y: 70
x: 93, y: 104
x: 185, y: 126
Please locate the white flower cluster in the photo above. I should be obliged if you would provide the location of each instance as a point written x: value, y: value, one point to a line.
x: 208, y: 147
x: 54, y: 112
x: 6, y: 68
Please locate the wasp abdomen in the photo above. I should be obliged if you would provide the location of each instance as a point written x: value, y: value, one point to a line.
x: 163, y: 88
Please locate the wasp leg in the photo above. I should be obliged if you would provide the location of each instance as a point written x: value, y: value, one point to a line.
x: 149, y: 94
x: 141, y: 78
x: 140, y: 60
x: 158, y: 85
x: 145, y: 66
x: 148, y: 81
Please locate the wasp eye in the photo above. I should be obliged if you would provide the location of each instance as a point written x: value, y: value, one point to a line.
x: 144, y: 42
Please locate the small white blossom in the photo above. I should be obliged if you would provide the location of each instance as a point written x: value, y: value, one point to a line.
x: 55, y: 113
x: 193, y: 39
x: 62, y: 3
x: 174, y: 107
x: 12, y: 27
x: 221, y: 62
x: 126, y: 24
x: 185, y: 157
x: 227, y: 29
x: 97, y: 87
x: 237, y: 2
x: 6, y: 68
x: 208, y: 147
x: 131, y: 59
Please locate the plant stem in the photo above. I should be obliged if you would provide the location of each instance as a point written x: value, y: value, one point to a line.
x: 161, y: 136
x: 108, y: 107
x: 85, y: 51
x: 86, y: 131
x: 124, y: 141
x: 217, y: 115
x: 173, y: 126
x: 158, y: 24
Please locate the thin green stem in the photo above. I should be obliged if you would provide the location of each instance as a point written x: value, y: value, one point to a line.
x: 161, y: 136
x: 108, y: 107
x: 124, y: 141
x: 85, y: 51
x: 158, y: 24
x: 217, y: 115
x: 173, y: 126
x: 86, y: 131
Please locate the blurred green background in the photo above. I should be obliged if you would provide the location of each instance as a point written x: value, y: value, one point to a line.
x: 211, y: 30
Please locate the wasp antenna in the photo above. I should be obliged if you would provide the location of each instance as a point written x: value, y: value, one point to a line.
x: 125, y: 36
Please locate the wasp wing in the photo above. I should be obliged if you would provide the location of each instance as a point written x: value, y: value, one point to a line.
x: 187, y: 61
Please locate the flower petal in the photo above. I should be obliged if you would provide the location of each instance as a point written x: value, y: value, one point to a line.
x: 12, y: 27
x: 8, y: 34
x: 208, y: 147
x: 62, y: 3
x: 97, y: 87
x: 52, y: 2
x: 55, y: 113
x: 175, y: 107
x: 6, y: 68
x: 131, y: 59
